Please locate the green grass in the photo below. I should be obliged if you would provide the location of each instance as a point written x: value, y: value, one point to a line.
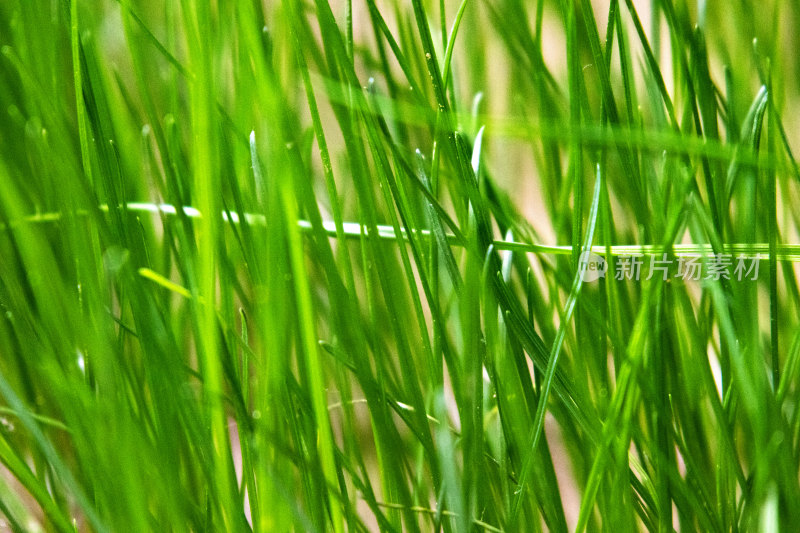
x: 312, y: 266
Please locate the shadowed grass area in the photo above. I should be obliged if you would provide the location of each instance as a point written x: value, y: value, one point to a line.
x: 487, y: 265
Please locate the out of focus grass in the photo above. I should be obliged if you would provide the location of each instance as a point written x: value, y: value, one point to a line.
x: 315, y: 267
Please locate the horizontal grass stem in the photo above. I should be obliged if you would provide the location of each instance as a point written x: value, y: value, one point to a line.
x: 353, y: 230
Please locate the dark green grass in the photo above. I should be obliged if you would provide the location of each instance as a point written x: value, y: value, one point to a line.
x: 315, y: 267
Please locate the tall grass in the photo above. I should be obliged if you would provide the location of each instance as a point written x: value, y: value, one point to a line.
x: 321, y: 266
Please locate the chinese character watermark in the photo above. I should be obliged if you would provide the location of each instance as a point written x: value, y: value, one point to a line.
x: 713, y: 267
x: 628, y: 267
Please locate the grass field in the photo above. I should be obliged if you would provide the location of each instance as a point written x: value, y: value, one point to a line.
x: 384, y: 265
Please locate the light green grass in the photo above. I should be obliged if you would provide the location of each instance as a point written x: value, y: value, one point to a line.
x: 311, y: 266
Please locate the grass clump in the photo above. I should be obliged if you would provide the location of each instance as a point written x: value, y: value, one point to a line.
x: 322, y: 266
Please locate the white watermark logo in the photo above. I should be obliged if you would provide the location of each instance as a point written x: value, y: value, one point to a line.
x: 592, y: 265
x: 714, y: 267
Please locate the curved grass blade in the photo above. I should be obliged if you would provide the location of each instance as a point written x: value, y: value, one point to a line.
x: 555, y: 352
